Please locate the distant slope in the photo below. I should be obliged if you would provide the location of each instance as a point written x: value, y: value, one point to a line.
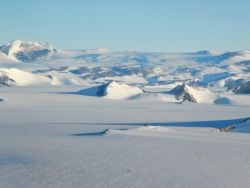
x: 6, y: 59
x: 9, y: 77
x: 27, y: 51
x: 227, y: 57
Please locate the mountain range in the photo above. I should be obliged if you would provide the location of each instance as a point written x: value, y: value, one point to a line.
x: 217, y: 73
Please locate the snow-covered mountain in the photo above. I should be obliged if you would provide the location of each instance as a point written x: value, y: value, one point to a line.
x: 213, y: 74
x: 193, y: 94
x: 27, y: 51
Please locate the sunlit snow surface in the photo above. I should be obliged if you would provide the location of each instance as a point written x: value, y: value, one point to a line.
x: 55, y: 139
x: 65, y: 123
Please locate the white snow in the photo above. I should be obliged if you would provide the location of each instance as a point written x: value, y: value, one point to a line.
x: 128, y: 79
x: 155, y: 97
x: 112, y: 90
x: 193, y: 94
x: 120, y: 91
x: 202, y: 95
x: 54, y: 139
x: 60, y: 129
x: 23, y: 78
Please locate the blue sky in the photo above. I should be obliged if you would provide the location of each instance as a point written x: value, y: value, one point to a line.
x: 148, y: 25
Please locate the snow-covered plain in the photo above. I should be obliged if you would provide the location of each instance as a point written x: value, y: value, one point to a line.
x: 62, y: 123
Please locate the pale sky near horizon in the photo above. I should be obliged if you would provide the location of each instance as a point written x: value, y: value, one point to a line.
x: 146, y: 25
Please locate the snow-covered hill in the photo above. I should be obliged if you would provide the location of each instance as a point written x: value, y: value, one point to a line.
x: 112, y: 90
x: 13, y: 76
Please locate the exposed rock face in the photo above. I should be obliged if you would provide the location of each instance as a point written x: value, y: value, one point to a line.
x: 244, y: 89
x: 183, y: 93
x: 242, y: 124
x: 5, y: 80
x: 27, y: 51
x: 101, y: 91
x: 228, y: 128
x: 193, y: 94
